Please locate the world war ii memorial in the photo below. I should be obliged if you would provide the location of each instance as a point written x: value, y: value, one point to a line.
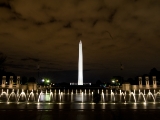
x: 108, y: 103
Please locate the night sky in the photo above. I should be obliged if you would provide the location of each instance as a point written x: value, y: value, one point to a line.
x: 47, y: 33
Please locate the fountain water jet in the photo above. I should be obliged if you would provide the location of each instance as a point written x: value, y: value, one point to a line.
x: 48, y: 96
x: 31, y: 95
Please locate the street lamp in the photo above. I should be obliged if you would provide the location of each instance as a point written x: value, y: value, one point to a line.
x: 48, y: 81
x: 113, y: 81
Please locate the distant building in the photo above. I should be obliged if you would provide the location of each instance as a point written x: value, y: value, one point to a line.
x: 17, y: 85
x: 77, y: 83
x: 127, y: 86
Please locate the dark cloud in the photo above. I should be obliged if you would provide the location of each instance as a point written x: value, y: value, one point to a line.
x: 48, y: 33
x: 30, y: 59
x: 18, y: 66
x: 106, y: 32
x: 79, y: 34
x: 39, y: 23
x: 5, y: 5
x: 111, y: 16
x: 95, y: 22
x: 52, y: 20
x: 68, y: 25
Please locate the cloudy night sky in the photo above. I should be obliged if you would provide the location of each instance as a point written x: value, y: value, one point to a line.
x: 47, y: 33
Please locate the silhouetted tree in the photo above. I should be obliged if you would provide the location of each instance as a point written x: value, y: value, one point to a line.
x: 32, y: 79
x: 132, y: 81
x: 155, y: 72
x: 98, y: 82
x: 24, y: 80
x: 2, y: 59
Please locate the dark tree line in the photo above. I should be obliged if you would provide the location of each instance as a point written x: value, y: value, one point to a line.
x: 24, y: 79
x: 153, y: 72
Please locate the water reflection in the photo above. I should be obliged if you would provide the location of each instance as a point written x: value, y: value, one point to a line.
x: 79, y: 106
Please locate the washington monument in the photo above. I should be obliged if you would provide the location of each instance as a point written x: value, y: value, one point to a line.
x: 80, y: 65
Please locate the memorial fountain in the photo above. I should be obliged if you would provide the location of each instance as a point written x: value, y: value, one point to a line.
x: 79, y: 96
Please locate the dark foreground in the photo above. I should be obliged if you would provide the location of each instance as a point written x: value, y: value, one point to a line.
x: 72, y: 114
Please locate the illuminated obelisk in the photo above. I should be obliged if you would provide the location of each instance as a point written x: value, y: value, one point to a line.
x: 80, y: 65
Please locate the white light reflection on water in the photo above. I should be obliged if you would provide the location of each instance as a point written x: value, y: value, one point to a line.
x: 92, y: 105
x: 144, y: 105
x: 135, y: 106
x: 60, y: 106
x: 38, y: 106
x: 103, y: 106
x: 21, y: 105
x: 82, y: 106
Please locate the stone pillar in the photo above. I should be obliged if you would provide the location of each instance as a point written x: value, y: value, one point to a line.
x: 140, y: 82
x: 126, y: 86
x: 147, y: 82
x: 18, y: 82
x: 154, y: 82
x: 11, y: 82
x: 35, y: 86
x: 3, y: 81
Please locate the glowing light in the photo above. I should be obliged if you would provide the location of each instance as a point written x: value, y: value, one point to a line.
x: 113, y: 81
x: 48, y: 81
